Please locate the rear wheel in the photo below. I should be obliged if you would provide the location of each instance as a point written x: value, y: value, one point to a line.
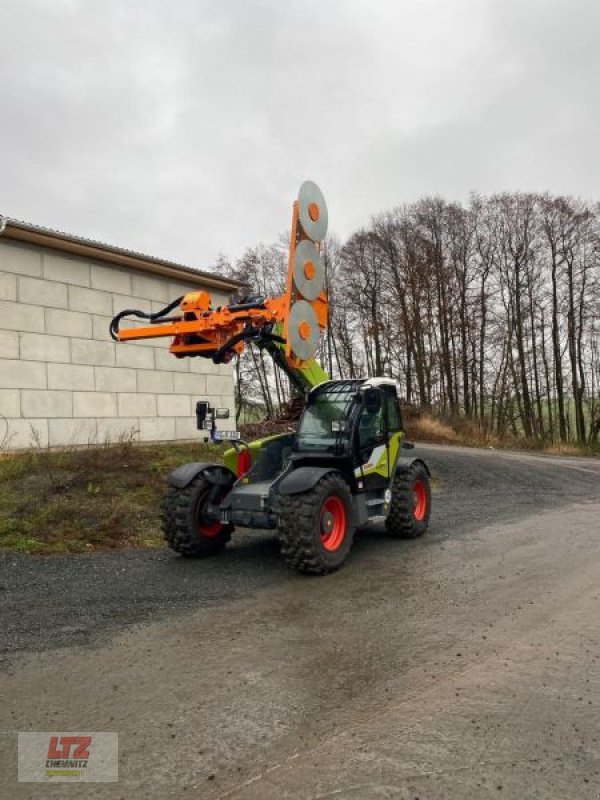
x: 410, y: 505
x: 186, y: 527
x: 316, y: 528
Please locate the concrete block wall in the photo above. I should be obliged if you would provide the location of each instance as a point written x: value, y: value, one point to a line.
x: 64, y: 381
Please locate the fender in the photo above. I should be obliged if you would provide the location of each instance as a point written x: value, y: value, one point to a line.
x: 213, y: 473
x: 303, y: 479
x: 405, y: 462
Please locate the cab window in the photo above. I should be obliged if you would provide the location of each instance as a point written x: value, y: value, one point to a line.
x: 371, y: 427
x: 392, y: 408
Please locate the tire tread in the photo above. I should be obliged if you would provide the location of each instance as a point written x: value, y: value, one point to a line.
x: 177, y: 523
x: 400, y: 521
x: 298, y: 515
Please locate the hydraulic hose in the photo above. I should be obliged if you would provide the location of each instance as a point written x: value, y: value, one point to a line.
x: 157, y: 316
x: 247, y: 333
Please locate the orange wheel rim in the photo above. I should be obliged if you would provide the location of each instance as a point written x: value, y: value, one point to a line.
x: 419, y: 498
x: 206, y: 526
x: 332, y: 523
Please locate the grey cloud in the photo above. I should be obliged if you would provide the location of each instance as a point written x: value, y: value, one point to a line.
x: 184, y: 129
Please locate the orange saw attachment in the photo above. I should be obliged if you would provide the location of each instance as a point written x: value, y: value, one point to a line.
x: 293, y: 320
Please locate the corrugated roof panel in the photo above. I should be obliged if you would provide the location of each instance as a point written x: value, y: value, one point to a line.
x: 10, y: 227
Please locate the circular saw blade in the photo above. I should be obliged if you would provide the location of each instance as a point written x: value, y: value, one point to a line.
x: 312, y: 211
x: 308, y: 271
x: 303, y: 330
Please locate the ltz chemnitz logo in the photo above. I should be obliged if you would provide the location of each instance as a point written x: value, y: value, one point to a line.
x: 68, y: 756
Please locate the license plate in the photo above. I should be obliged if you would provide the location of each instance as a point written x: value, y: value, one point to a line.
x: 227, y: 436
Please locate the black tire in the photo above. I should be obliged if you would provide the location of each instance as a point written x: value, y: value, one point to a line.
x: 184, y: 529
x: 406, y: 518
x: 316, y: 528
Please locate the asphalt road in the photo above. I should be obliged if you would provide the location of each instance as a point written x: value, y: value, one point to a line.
x: 465, y: 664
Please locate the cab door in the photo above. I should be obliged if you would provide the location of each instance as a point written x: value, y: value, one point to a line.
x: 371, y: 450
x: 393, y: 423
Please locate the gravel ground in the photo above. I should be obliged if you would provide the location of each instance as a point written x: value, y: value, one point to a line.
x: 460, y: 665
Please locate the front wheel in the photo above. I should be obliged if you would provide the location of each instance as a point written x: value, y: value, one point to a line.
x: 410, y: 505
x: 316, y: 528
x: 186, y: 527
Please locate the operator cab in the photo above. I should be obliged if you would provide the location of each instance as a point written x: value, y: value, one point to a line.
x: 326, y: 423
x: 351, y: 421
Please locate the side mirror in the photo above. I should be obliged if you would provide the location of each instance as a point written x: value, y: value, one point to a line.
x: 202, y: 411
x: 372, y: 400
x: 222, y: 413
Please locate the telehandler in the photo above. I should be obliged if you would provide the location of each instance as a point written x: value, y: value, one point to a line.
x: 347, y: 463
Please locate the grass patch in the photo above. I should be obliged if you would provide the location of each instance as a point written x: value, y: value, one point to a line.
x: 471, y: 433
x: 430, y: 429
x: 93, y: 498
x: 438, y: 430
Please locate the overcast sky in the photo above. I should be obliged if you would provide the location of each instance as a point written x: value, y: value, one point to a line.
x: 184, y: 128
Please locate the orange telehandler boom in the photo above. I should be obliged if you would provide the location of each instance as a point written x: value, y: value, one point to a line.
x: 289, y: 325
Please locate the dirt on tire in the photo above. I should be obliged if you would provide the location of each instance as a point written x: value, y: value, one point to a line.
x: 401, y: 521
x: 180, y: 523
x: 299, y: 527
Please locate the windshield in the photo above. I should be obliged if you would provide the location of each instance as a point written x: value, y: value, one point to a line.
x: 314, y: 432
